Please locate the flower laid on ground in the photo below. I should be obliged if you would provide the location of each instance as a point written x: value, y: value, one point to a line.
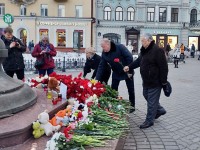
x: 90, y: 129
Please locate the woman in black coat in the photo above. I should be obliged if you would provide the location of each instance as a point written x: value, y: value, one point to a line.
x: 92, y: 62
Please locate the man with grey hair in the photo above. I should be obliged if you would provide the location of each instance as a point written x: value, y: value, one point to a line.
x: 117, y: 56
x: 154, y: 70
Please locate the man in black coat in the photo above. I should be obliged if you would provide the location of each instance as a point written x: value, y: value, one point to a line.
x: 154, y: 70
x: 92, y: 62
x: 14, y: 63
x: 117, y: 56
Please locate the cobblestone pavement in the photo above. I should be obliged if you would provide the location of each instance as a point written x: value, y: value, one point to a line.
x: 179, y: 129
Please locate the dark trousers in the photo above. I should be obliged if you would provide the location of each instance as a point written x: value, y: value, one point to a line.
x: 152, y: 96
x: 42, y: 72
x: 19, y: 73
x: 176, y: 62
x: 130, y: 86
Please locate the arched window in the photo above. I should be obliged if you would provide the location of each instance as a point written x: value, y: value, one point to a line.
x: 119, y: 13
x: 130, y: 14
x: 107, y: 13
x: 193, y: 16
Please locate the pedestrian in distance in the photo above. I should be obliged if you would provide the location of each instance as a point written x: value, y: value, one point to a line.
x: 31, y: 46
x: 176, y: 55
x: 192, y: 50
x: 14, y: 63
x: 154, y: 70
x: 92, y: 63
x: 117, y: 56
x: 44, y: 53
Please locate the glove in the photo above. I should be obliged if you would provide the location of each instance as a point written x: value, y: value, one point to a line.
x: 167, y: 88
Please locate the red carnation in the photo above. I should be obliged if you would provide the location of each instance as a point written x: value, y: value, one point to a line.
x: 116, y: 60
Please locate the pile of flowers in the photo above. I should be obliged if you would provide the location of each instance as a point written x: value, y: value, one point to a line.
x: 94, y: 113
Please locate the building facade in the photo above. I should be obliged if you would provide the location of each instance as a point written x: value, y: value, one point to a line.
x: 169, y: 21
x: 68, y: 23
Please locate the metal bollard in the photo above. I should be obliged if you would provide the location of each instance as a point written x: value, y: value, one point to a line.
x: 63, y: 69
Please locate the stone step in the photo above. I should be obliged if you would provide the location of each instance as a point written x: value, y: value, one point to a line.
x: 17, y: 129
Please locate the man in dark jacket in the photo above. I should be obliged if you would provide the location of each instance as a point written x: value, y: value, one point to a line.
x: 154, y: 71
x: 92, y: 62
x: 117, y: 56
x: 14, y: 63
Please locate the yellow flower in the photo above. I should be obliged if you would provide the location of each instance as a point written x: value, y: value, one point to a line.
x: 93, y: 81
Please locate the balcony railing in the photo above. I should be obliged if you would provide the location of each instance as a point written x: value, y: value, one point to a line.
x: 60, y: 1
x: 195, y: 24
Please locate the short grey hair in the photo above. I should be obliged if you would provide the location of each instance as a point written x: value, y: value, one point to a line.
x: 105, y: 40
x: 147, y: 36
x: 45, y: 37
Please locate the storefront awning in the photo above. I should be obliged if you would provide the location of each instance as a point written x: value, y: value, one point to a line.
x: 60, y: 30
x: 43, y: 30
x: 132, y: 30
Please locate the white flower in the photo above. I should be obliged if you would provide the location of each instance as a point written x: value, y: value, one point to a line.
x: 81, y: 87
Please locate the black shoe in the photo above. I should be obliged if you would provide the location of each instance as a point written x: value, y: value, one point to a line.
x: 131, y: 110
x: 146, y: 125
x: 158, y: 115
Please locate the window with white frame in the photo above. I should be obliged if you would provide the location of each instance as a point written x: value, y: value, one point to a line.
x: 79, y: 11
x: 44, y: 10
x: 162, y: 14
x: 130, y: 14
x: 119, y: 13
x: 61, y: 10
x: 150, y: 14
x: 107, y: 13
x: 23, y: 10
x: 2, y: 9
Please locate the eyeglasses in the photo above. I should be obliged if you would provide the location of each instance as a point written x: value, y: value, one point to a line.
x: 44, y: 40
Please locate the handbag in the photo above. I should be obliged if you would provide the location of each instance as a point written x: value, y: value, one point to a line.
x: 167, y: 89
x: 39, y: 63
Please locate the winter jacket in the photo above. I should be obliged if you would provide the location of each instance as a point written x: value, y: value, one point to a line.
x: 93, y: 63
x: 47, y: 57
x: 15, y: 60
x: 117, y: 51
x: 153, y: 66
x: 176, y: 53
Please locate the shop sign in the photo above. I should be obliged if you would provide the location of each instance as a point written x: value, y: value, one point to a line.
x: 8, y: 18
x: 62, y: 23
x: 162, y: 32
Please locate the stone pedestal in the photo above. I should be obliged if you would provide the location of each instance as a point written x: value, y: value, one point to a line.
x: 15, y: 96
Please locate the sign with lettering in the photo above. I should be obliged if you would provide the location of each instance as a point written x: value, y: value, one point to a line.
x: 62, y: 23
x: 8, y: 18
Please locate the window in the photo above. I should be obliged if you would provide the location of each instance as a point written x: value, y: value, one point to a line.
x: 116, y: 38
x: 119, y: 13
x: 61, y: 10
x: 43, y: 32
x: 79, y: 11
x: 130, y: 14
x: 23, y: 10
x: 44, y: 10
x: 2, y: 9
x: 150, y: 14
x: 107, y: 13
x: 78, y: 39
x: 174, y: 15
x: 193, y: 16
x: 61, y: 38
x: 172, y: 40
x: 162, y: 14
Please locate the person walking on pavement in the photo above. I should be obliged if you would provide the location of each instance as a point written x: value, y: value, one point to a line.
x: 31, y: 46
x: 92, y: 62
x: 14, y: 63
x: 117, y: 56
x: 192, y: 50
x: 182, y: 55
x: 176, y: 55
x: 45, y: 51
x: 154, y: 70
